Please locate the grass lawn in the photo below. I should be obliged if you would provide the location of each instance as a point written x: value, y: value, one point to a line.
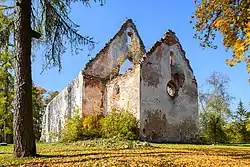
x: 92, y: 153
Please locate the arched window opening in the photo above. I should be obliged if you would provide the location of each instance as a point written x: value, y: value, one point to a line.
x: 125, y: 66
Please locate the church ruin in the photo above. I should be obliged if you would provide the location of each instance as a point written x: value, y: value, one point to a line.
x: 160, y: 88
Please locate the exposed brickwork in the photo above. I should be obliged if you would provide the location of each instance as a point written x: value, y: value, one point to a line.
x: 93, y: 95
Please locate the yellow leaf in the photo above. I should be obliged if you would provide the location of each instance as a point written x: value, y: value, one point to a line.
x: 233, y: 63
x: 227, y: 61
x: 219, y: 23
x: 248, y: 25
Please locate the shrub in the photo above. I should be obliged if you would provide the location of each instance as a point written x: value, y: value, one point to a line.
x: 73, y: 129
x: 119, y: 123
x: 92, y: 122
x: 233, y: 133
x: 92, y: 126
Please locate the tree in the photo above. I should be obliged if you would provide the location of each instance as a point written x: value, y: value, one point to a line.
x: 51, y: 19
x: 40, y: 99
x: 231, y: 19
x: 38, y: 102
x: 7, y: 86
x: 6, y: 94
x: 215, y: 103
x: 6, y: 77
x: 241, y: 120
x: 51, y: 95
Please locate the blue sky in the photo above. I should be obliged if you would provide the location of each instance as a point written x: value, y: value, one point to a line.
x: 152, y: 19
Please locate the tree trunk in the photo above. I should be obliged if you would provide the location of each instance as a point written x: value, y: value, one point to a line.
x: 6, y: 104
x: 24, y: 139
x: 4, y: 133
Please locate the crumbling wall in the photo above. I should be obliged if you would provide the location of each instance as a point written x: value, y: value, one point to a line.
x: 126, y: 44
x: 93, y: 95
x: 167, y: 118
x: 165, y: 115
x: 61, y: 108
x: 123, y: 92
x: 116, y: 51
x: 87, y: 91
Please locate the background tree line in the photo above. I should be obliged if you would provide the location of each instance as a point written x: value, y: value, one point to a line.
x: 218, y: 123
x: 40, y: 98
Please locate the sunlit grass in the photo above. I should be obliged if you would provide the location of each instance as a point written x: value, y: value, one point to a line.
x: 95, y: 153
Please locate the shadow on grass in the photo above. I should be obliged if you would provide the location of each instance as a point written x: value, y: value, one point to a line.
x: 176, y: 151
x: 235, y: 144
x: 130, y: 153
x: 61, y: 161
x: 243, y: 157
x: 1, y: 153
x: 61, y: 156
x: 85, y: 159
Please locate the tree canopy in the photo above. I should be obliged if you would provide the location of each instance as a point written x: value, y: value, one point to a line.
x: 51, y: 26
x: 231, y: 18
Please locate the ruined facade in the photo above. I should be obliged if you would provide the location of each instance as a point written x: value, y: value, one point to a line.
x: 160, y: 88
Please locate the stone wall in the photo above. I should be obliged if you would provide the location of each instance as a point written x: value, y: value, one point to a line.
x: 124, y: 92
x: 93, y: 95
x: 165, y: 118
x: 160, y: 89
x: 87, y: 91
x: 62, y: 107
x: 115, y: 53
x: 105, y: 66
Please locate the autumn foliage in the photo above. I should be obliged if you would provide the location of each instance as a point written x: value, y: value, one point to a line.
x: 117, y: 123
x: 231, y: 18
x: 158, y: 155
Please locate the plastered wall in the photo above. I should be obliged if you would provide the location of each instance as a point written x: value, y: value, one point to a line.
x: 164, y: 118
x: 61, y: 108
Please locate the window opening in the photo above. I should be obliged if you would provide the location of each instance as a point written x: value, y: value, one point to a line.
x: 125, y: 66
x: 171, y: 89
x: 171, y: 58
x: 130, y: 34
x: 116, y: 89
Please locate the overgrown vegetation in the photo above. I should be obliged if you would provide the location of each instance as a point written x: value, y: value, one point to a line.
x: 120, y: 124
x: 73, y: 128
x: 92, y: 126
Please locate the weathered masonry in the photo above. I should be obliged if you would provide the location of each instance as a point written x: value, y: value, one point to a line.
x: 159, y: 89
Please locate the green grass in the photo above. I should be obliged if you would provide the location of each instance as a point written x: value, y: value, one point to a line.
x: 127, y: 153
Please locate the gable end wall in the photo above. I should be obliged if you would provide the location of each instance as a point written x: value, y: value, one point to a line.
x: 163, y: 118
